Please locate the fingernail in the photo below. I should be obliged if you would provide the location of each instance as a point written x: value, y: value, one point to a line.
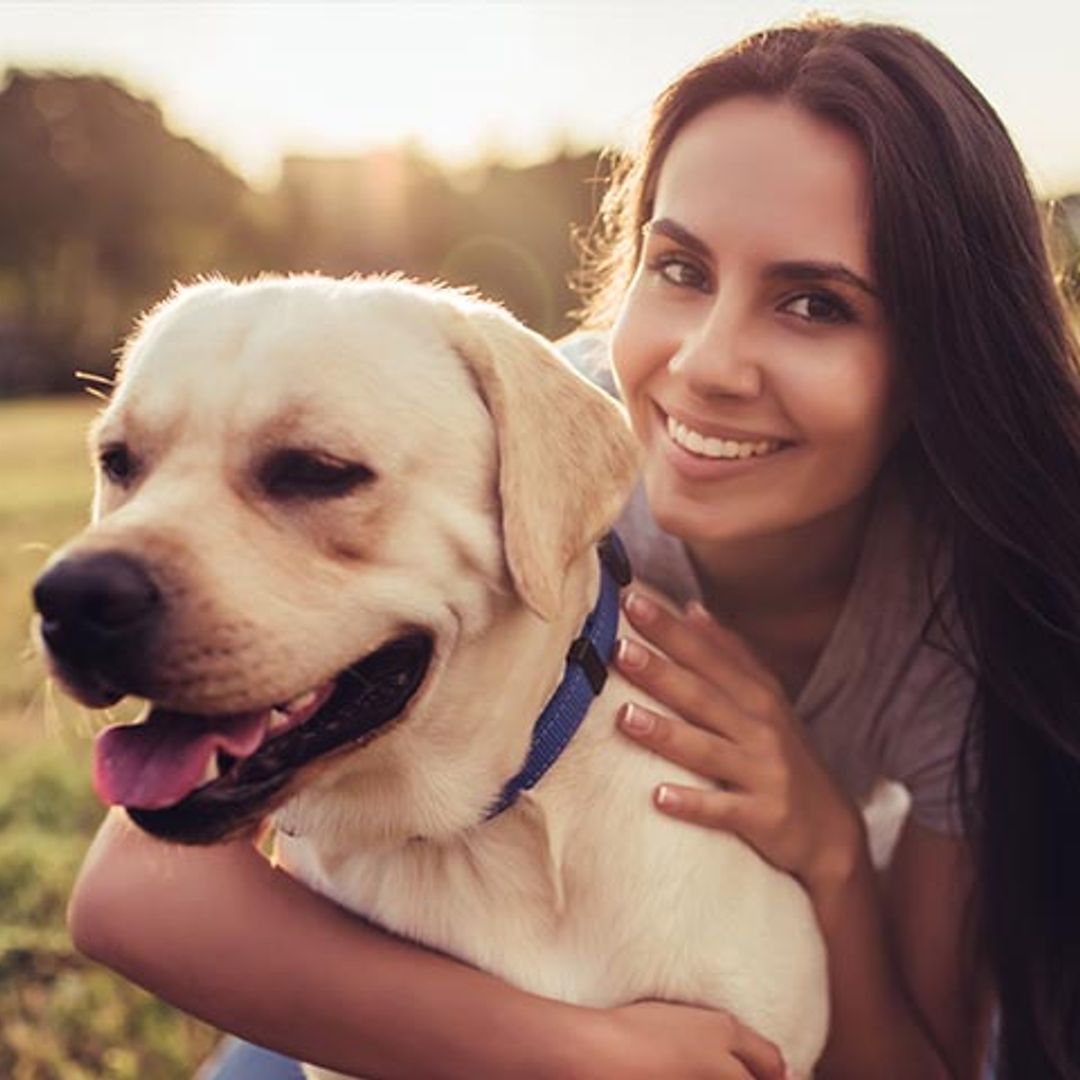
x: 640, y: 607
x: 635, y: 720
x: 667, y: 797
x: 696, y: 610
x: 631, y: 655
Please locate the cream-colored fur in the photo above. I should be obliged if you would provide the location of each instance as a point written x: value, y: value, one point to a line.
x: 496, y: 470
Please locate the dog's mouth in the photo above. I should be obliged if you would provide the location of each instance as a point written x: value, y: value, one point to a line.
x: 200, y: 779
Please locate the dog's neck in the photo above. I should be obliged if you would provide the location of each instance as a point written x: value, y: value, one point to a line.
x: 525, y: 660
x: 583, y: 679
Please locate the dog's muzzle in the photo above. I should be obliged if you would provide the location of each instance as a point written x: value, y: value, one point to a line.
x: 155, y: 768
x: 188, y: 777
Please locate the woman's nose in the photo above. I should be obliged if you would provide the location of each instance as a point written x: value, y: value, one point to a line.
x: 717, y: 355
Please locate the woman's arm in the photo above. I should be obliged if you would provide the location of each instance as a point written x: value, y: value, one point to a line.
x: 222, y: 934
x: 893, y: 1008
x: 929, y: 898
x: 905, y: 986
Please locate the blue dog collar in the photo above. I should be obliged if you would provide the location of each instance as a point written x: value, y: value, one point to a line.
x: 586, y: 672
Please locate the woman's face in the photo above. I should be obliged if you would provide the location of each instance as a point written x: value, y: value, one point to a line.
x: 751, y: 347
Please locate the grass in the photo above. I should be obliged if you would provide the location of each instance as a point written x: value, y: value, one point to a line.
x: 60, y: 1016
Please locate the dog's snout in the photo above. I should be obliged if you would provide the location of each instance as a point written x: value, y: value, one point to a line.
x: 88, y: 601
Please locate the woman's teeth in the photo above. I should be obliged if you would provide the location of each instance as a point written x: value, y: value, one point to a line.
x: 728, y: 449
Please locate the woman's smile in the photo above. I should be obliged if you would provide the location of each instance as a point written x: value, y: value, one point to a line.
x: 702, y: 450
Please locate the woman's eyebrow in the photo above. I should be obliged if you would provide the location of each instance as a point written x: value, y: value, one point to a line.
x: 792, y: 270
x: 811, y: 270
x: 682, y: 236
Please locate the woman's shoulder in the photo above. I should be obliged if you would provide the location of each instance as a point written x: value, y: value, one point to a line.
x: 588, y: 352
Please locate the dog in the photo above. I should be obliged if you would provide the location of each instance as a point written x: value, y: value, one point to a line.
x: 344, y: 533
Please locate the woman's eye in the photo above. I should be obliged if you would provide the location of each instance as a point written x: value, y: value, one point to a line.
x: 117, y: 463
x: 820, y: 308
x: 306, y: 475
x: 682, y: 272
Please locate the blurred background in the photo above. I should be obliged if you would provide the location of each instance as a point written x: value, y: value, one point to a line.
x: 142, y: 143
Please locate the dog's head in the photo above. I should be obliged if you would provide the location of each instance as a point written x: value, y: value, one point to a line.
x: 312, y: 495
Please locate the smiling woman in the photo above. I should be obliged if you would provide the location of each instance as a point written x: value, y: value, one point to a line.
x: 755, y: 273
x: 886, y: 371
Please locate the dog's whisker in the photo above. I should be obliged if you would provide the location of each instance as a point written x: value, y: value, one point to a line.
x: 98, y: 380
x: 37, y: 545
x: 28, y: 653
x: 94, y: 377
x: 50, y: 707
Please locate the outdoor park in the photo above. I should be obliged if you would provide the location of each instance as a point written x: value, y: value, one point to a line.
x: 102, y: 207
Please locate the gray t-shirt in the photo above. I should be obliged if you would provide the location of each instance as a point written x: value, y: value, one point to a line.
x: 881, y: 705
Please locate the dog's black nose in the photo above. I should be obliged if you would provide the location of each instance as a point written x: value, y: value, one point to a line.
x: 91, y: 604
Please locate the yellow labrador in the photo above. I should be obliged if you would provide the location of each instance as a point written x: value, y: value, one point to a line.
x: 344, y: 532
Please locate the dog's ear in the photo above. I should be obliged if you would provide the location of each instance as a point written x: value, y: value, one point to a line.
x: 567, y: 456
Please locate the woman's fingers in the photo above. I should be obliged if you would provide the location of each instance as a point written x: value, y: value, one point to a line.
x: 709, y: 807
x: 668, y: 1039
x: 761, y: 1057
x: 686, y: 692
x: 703, y: 752
x: 697, y: 642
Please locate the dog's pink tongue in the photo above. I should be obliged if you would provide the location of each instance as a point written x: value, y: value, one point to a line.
x: 157, y: 762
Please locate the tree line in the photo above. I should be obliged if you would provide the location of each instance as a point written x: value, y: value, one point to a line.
x: 102, y: 208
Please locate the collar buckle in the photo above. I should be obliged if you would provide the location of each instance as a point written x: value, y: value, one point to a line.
x: 584, y: 653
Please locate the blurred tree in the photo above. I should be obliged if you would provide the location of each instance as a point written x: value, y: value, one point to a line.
x: 503, y: 230
x: 1065, y: 244
x: 99, y: 205
x: 102, y: 208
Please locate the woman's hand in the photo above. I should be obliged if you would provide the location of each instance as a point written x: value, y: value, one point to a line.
x: 653, y: 1038
x: 735, y: 727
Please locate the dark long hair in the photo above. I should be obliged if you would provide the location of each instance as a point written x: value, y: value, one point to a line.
x: 981, y: 332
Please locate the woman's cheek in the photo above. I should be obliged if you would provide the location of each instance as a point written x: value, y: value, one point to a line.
x: 628, y: 362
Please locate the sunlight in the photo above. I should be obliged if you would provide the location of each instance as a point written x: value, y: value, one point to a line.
x: 346, y: 78
x: 469, y: 79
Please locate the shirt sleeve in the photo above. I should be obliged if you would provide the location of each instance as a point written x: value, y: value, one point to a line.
x: 588, y: 352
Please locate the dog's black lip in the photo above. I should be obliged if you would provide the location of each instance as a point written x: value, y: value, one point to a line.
x: 88, y: 686
x: 362, y: 704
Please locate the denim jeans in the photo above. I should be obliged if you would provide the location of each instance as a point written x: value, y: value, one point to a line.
x: 237, y: 1060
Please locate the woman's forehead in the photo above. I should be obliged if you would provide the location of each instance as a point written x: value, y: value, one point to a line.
x: 769, y: 174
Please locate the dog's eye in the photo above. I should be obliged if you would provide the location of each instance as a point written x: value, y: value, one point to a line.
x: 117, y: 463
x: 307, y: 475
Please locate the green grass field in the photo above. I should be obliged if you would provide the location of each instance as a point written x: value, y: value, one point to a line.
x: 60, y: 1016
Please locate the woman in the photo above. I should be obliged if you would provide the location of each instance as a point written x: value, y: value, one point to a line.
x: 840, y: 341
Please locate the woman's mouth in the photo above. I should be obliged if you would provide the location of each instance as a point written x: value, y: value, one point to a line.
x: 700, y: 455
x: 709, y: 446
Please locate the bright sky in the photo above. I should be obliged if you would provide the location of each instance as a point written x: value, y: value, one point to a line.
x: 252, y: 80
